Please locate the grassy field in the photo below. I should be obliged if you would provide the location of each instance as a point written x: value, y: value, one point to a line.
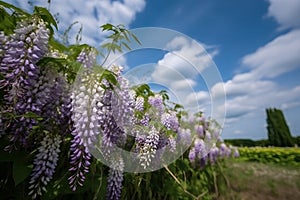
x: 261, y: 181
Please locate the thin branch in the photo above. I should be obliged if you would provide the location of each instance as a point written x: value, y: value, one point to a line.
x: 182, y: 187
x: 215, y: 183
x: 99, y: 187
x: 138, y: 186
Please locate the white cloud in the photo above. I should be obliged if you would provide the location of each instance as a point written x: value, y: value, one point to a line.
x: 201, y: 98
x: 182, y: 84
x: 289, y: 105
x: 179, y: 70
x: 218, y: 90
x: 91, y: 14
x: 285, y: 12
x: 238, y: 132
x: 173, y: 67
x: 189, y: 51
x: 275, y: 58
x: 246, y: 97
x: 183, y: 63
x: 255, y: 87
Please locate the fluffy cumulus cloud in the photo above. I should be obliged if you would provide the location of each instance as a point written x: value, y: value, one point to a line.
x: 249, y: 93
x: 275, y: 58
x: 247, y: 96
x: 179, y: 71
x: 286, y: 12
x: 90, y: 14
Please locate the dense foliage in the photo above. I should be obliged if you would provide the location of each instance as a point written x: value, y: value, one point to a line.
x: 278, y: 131
x: 58, y: 104
x: 278, y: 155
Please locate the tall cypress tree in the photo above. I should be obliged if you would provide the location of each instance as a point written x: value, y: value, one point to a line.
x: 278, y: 131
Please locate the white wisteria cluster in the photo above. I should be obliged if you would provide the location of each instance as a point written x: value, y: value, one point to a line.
x: 148, y: 148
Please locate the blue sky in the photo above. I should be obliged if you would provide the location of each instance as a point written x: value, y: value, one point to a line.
x: 254, y: 44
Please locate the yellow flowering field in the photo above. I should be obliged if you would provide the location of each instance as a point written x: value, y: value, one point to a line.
x: 280, y: 155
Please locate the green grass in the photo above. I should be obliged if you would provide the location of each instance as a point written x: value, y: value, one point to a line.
x: 252, y: 180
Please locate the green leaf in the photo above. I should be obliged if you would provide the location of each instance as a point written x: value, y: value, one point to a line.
x: 125, y: 33
x: 45, y: 15
x: 20, y: 171
x: 57, y: 45
x: 135, y: 38
x: 10, y: 6
x: 126, y: 45
x: 107, y: 27
x: 178, y: 106
x: 49, y: 60
x: 110, y: 77
x: 7, y: 22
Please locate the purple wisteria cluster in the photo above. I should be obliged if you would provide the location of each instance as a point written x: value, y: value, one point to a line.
x: 20, y: 53
x: 207, y: 145
x: 44, y: 165
x: 1, y: 125
x: 101, y: 112
x: 155, y: 130
x: 37, y: 98
x: 115, y: 179
x: 104, y: 114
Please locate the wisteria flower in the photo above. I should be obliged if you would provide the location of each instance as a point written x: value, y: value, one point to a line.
x: 44, y: 165
x: 148, y: 148
x: 115, y: 179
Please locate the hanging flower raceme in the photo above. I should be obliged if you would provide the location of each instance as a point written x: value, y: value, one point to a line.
x: 87, y: 57
x: 84, y: 106
x: 139, y: 103
x: 115, y: 178
x: 80, y: 162
x: 184, y: 136
x: 52, y: 97
x: 1, y: 125
x: 170, y: 120
x: 224, y: 151
x: 86, y: 94
x: 40, y: 110
x: 236, y: 152
x: 198, y: 151
x: 148, y: 147
x: 115, y: 112
x: 199, y: 130
x: 22, y: 50
x: 157, y: 102
x: 213, y: 154
x: 44, y: 165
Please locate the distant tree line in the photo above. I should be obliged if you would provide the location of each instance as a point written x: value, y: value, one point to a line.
x: 279, y: 134
x: 254, y: 143
x: 247, y: 142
